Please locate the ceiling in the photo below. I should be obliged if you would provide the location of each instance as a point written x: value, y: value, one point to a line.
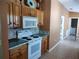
x: 71, y: 5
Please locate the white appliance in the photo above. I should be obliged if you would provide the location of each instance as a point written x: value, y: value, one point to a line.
x: 34, y: 48
x: 30, y: 22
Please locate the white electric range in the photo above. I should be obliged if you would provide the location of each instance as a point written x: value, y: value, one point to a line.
x: 34, y: 43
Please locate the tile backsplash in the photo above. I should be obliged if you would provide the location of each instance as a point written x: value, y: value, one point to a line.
x: 21, y: 33
x: 27, y: 32
x: 11, y: 33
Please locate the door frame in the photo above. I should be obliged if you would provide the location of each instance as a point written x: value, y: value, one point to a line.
x: 70, y: 18
x: 62, y: 27
x: 4, y: 28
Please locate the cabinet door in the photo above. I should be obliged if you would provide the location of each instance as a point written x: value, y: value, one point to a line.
x: 33, y: 12
x: 16, y: 11
x: 23, y: 52
x: 40, y: 15
x: 26, y: 11
x: 15, y: 56
x: 19, y: 53
x: 10, y: 15
x: 14, y: 15
x: 44, y: 45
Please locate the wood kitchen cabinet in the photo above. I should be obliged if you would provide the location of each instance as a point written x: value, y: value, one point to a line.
x: 40, y: 15
x: 16, y: 11
x: 15, y: 1
x: 14, y: 15
x: 10, y: 15
x: 19, y: 53
x: 27, y: 11
x: 44, y: 45
x: 24, y: 52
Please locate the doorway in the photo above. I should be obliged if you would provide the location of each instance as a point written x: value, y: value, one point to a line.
x: 62, y: 28
x: 73, y: 30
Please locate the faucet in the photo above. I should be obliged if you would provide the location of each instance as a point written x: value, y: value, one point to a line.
x: 16, y: 34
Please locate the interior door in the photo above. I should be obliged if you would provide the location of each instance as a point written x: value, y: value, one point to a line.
x: 62, y: 28
x: 74, y: 23
x: 73, y: 31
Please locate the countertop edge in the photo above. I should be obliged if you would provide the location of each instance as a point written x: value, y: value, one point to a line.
x: 17, y: 46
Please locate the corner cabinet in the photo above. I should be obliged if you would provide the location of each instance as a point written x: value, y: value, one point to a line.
x: 19, y: 52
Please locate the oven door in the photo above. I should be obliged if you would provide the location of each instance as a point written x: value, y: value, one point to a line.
x: 34, y: 49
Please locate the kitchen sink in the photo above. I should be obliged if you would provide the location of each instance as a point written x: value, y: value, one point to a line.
x: 13, y: 40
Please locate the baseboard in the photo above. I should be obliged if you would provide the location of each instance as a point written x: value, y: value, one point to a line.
x: 54, y: 47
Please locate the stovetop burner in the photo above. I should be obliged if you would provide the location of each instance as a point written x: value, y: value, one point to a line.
x: 27, y: 38
x: 31, y: 37
x: 35, y: 36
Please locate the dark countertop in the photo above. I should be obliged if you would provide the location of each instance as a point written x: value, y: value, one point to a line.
x: 43, y: 33
x: 13, y: 43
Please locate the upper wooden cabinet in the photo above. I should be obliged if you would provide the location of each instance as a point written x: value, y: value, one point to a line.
x: 16, y: 10
x: 27, y: 11
x: 40, y: 15
x: 10, y: 15
x: 15, y: 1
x: 14, y: 15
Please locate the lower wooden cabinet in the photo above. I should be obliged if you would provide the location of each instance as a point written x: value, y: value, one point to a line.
x: 19, y: 53
x: 44, y: 45
x: 14, y: 56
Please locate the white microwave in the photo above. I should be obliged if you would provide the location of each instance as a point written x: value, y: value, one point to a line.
x: 29, y: 22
